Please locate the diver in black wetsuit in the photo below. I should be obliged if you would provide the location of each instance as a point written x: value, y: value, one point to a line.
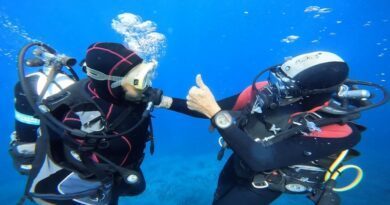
x: 92, y: 155
x: 284, y: 133
x: 119, y: 107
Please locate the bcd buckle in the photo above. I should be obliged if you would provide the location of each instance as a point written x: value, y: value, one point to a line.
x: 259, y: 182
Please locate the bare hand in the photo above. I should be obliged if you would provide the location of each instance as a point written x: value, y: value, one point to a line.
x: 201, y: 99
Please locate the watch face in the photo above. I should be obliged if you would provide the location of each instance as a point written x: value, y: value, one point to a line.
x: 223, y: 119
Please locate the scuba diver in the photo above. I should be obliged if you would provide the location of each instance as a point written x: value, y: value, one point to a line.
x: 92, y: 133
x: 288, y: 134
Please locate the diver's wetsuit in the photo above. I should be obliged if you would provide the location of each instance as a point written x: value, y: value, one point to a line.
x: 250, y: 157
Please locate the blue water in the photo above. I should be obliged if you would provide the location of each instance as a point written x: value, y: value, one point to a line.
x: 228, y: 42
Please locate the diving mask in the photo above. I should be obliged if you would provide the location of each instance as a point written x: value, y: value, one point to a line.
x: 141, y: 76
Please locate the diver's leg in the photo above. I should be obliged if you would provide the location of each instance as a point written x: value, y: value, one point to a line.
x: 248, y: 196
x: 232, y: 192
x: 226, y: 180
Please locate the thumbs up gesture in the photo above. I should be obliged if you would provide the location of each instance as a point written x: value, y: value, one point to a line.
x: 201, y: 99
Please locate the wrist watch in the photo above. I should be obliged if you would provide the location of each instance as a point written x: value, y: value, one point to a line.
x: 222, y: 119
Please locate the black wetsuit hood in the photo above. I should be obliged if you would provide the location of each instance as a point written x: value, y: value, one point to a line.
x: 112, y: 59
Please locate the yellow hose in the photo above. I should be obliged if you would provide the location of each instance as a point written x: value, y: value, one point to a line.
x: 336, y: 173
x: 335, y: 164
x: 354, y: 183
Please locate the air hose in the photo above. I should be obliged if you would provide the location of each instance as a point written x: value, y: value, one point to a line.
x: 334, y: 173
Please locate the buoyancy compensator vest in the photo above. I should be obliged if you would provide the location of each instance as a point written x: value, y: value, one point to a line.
x: 58, y: 149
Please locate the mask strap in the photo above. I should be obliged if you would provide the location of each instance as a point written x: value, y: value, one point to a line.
x: 97, y: 75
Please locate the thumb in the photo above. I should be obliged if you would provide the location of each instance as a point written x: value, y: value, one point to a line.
x: 200, y: 82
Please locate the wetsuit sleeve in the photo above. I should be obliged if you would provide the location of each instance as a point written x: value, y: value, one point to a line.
x: 294, y: 150
x: 180, y: 105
